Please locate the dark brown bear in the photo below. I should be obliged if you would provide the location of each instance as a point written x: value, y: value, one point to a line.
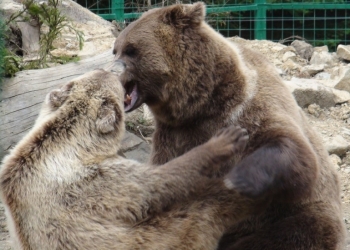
x: 196, y: 82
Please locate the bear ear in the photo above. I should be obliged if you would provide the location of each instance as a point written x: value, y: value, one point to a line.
x: 107, y: 119
x: 184, y: 16
x: 58, y: 96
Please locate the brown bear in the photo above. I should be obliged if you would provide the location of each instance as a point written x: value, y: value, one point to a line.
x: 65, y: 187
x: 196, y: 82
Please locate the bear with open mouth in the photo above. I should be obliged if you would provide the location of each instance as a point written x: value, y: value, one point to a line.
x: 196, y: 82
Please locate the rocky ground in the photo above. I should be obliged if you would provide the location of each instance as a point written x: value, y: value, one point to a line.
x: 319, y: 80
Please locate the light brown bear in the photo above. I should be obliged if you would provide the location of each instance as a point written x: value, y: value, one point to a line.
x: 197, y: 82
x: 64, y: 187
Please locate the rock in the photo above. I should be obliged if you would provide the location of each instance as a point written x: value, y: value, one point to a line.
x: 335, y: 72
x: 341, y: 96
x: 336, y: 145
x: 322, y: 57
x: 346, y: 171
x: 288, y: 55
x: 147, y: 115
x: 30, y: 38
x: 277, y: 48
x: 344, y: 82
x: 309, y: 91
x: 10, y: 7
x: 144, y: 130
x: 346, y: 158
x: 321, y: 48
x: 99, y: 34
x: 141, y: 153
x: 303, y: 49
x: 343, y: 52
x: 291, y: 68
x: 64, y: 53
x: 129, y: 142
x: 312, y: 69
x: 336, y: 161
x: 322, y: 76
x: 314, y: 109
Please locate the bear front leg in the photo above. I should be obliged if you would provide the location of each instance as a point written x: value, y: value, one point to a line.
x: 208, y: 158
x: 285, y: 169
x: 176, y: 179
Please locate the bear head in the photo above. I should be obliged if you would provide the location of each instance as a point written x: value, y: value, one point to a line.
x: 170, y: 60
x: 88, y: 112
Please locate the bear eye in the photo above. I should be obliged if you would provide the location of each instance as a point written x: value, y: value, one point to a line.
x: 130, y: 51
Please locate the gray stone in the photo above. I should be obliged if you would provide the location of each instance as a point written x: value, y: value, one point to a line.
x: 312, y: 69
x: 322, y: 76
x: 341, y: 96
x: 321, y: 48
x: 344, y: 82
x: 129, y: 142
x: 30, y: 38
x: 10, y: 7
x: 343, y: 52
x: 141, y: 153
x: 314, y: 110
x: 147, y: 115
x: 145, y: 130
x: 303, y: 49
x: 335, y: 159
x: 288, y: 55
x: 336, y: 145
x: 309, y: 91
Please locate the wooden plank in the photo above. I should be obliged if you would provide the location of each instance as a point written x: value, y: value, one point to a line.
x: 21, y: 96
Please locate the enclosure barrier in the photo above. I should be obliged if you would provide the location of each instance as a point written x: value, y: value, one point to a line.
x: 319, y: 22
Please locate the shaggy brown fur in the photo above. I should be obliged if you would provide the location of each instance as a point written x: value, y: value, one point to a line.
x: 64, y: 187
x: 196, y: 82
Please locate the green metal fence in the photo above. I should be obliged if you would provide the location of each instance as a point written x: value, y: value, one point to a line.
x: 320, y: 22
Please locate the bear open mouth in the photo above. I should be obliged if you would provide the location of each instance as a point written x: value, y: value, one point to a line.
x: 130, y: 98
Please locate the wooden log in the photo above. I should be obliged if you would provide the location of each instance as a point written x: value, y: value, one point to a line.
x: 21, y: 96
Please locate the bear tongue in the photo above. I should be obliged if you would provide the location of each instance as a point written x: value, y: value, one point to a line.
x: 130, y: 99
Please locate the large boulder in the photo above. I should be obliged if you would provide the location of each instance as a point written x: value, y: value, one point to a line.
x: 309, y: 91
x: 99, y: 34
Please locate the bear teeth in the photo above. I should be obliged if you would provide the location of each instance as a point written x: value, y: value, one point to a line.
x: 127, y: 99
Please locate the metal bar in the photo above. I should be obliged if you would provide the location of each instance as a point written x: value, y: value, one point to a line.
x: 118, y: 10
x: 117, y: 5
x: 231, y: 8
x: 132, y: 15
x: 308, y: 6
x: 279, y: 6
x: 108, y: 16
x: 260, y: 20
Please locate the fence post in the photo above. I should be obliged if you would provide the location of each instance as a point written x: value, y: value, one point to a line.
x: 260, y: 20
x: 118, y: 10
